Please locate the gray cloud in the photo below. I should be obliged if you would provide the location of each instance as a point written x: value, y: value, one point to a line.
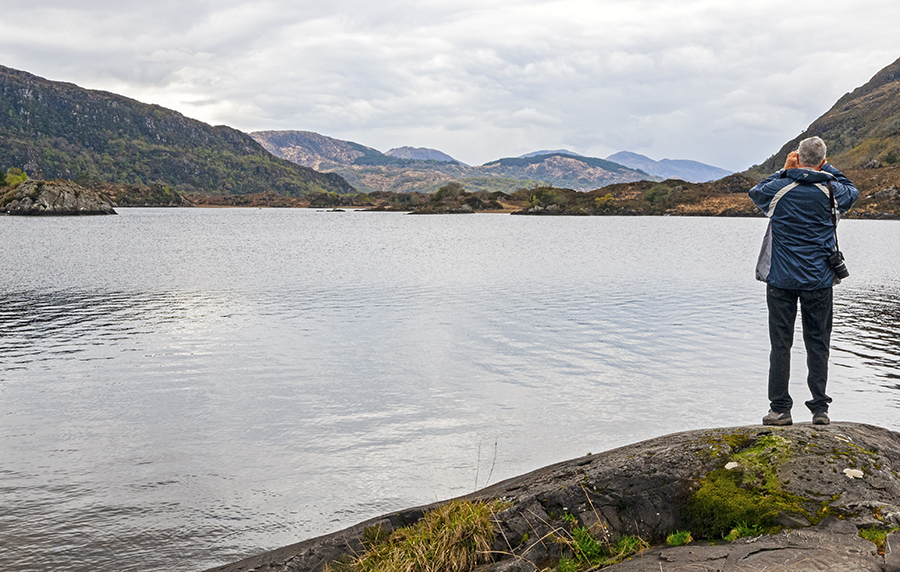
x: 717, y: 82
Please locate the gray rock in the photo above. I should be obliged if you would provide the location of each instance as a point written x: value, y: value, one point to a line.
x: 801, y: 550
x: 644, y: 490
x: 54, y: 198
x: 892, y: 553
x: 891, y: 193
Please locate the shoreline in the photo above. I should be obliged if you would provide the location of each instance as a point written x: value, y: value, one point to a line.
x: 834, y: 480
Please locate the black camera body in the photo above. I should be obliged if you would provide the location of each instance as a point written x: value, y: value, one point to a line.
x: 836, y: 259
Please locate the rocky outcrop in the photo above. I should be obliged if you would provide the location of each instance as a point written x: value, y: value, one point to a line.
x: 814, y: 487
x: 890, y: 193
x: 54, y: 198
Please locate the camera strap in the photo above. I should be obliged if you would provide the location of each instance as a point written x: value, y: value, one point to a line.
x: 833, y: 212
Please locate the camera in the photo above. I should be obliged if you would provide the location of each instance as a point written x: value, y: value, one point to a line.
x: 836, y: 259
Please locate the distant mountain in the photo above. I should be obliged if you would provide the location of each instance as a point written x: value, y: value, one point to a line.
x: 862, y: 126
x: 690, y: 171
x: 365, y: 168
x: 420, y: 154
x: 546, y: 152
x: 369, y: 170
x: 318, y: 151
x: 567, y: 171
x: 59, y: 130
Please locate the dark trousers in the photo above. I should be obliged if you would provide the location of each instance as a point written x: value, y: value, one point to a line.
x: 816, y: 311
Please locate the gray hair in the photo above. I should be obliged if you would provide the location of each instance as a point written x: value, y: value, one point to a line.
x: 811, y: 152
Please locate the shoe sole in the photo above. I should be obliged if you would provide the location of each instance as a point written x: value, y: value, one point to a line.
x: 821, y: 422
x: 780, y: 423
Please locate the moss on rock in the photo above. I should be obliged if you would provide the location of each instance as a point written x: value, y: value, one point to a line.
x: 746, y: 491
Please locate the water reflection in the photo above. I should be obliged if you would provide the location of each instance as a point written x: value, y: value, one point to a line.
x: 868, y: 327
x: 43, y: 326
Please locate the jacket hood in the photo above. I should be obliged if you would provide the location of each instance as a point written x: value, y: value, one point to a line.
x: 807, y: 175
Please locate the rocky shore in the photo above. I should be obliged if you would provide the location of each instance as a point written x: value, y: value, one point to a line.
x: 807, y: 490
x: 35, y: 198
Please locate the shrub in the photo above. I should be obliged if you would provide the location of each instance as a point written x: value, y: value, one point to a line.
x: 13, y: 178
x: 605, y: 202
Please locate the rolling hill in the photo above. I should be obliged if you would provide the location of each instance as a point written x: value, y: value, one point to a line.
x: 60, y: 130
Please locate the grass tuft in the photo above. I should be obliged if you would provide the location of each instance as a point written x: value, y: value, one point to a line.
x: 679, y: 538
x: 744, y: 530
x: 455, y: 537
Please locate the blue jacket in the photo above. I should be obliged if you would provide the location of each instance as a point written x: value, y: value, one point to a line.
x: 800, y: 236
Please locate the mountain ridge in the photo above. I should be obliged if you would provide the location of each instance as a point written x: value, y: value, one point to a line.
x: 372, y: 171
x: 685, y: 169
x: 861, y: 127
x: 421, y: 154
x: 550, y: 152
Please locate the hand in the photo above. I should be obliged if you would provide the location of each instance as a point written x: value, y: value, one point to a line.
x: 792, y: 161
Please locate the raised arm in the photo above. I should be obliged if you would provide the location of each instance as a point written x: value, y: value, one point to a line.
x: 845, y: 192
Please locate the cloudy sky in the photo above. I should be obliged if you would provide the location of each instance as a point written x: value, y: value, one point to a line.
x: 726, y: 83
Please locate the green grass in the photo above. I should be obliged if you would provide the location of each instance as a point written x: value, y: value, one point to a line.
x: 679, y: 538
x: 589, y: 552
x: 743, y: 530
x: 877, y: 536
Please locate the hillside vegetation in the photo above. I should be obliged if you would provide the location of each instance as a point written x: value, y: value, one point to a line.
x: 59, y: 130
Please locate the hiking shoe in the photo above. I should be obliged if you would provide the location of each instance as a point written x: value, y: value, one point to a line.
x: 773, y: 418
x: 821, y: 418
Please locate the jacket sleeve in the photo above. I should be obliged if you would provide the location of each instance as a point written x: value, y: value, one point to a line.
x: 763, y: 193
x: 845, y: 192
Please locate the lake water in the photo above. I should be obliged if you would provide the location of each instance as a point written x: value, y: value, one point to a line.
x: 184, y: 388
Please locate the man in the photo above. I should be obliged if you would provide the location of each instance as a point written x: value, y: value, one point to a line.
x: 794, y: 264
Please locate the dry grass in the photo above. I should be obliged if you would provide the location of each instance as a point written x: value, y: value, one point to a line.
x: 454, y: 537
